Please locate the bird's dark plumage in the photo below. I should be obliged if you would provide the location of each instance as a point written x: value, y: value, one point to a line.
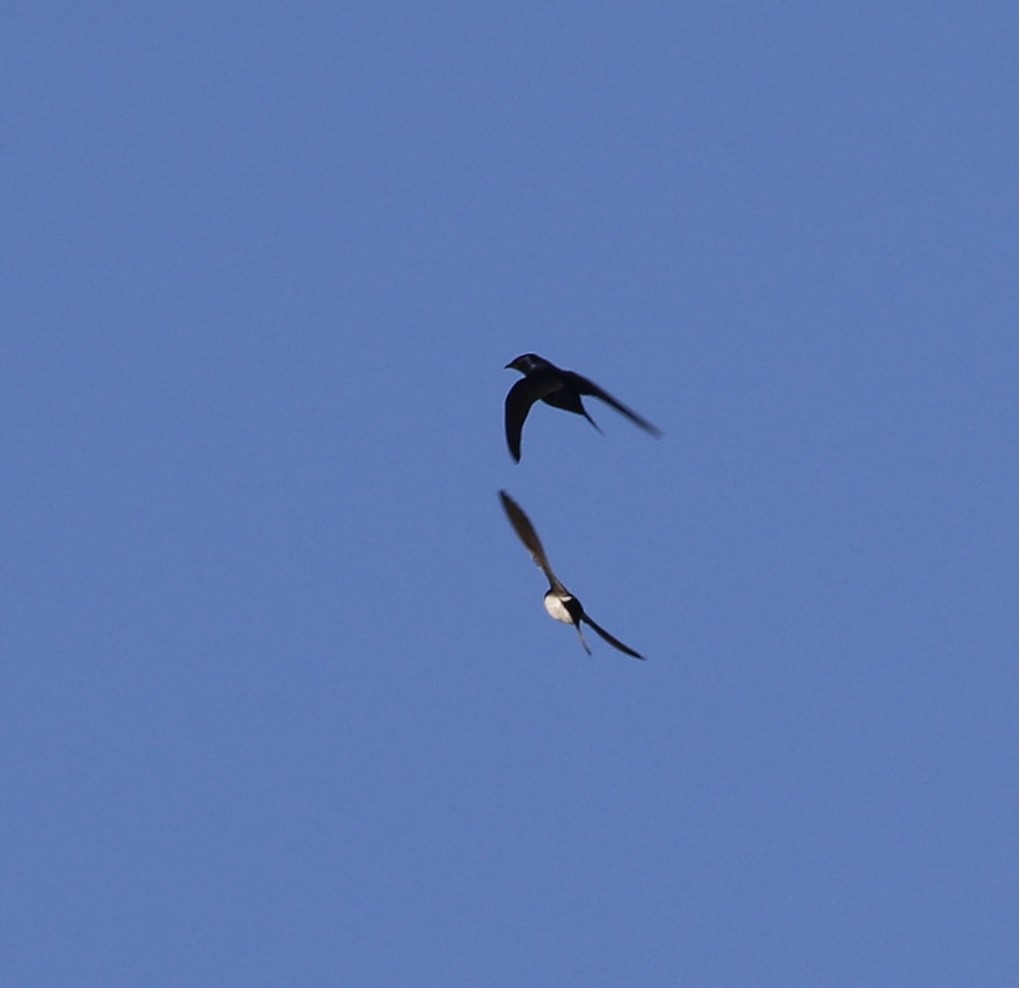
x: 543, y: 381
x: 559, y: 602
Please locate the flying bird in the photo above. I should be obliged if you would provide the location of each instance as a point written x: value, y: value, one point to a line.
x: 560, y: 388
x: 559, y: 602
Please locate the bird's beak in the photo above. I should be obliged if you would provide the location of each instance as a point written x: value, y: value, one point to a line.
x: 509, y: 366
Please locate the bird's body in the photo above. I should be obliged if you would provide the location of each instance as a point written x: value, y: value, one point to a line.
x: 559, y: 602
x: 559, y: 608
x: 564, y: 389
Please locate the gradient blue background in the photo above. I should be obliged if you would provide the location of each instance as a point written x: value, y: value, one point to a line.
x: 280, y: 703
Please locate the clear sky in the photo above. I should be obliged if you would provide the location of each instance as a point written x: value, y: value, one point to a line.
x: 280, y: 704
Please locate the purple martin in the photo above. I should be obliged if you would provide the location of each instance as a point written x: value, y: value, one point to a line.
x: 560, y: 388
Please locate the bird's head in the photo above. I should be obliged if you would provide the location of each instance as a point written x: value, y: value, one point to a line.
x: 528, y: 362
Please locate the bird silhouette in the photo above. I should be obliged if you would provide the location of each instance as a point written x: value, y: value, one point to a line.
x: 543, y: 381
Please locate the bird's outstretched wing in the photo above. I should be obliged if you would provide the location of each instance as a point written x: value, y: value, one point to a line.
x: 587, y: 387
x: 614, y: 642
x: 525, y: 531
x: 519, y: 400
x: 583, y: 640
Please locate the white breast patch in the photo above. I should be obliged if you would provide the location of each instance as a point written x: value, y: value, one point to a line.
x: 557, y: 609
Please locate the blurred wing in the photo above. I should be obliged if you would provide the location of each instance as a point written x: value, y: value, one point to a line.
x: 519, y: 400
x: 525, y: 531
x: 614, y: 642
x: 586, y: 387
x: 583, y: 640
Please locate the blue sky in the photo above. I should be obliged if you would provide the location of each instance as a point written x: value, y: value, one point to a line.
x: 280, y: 701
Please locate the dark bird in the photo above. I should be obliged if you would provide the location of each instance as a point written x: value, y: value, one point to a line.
x: 560, y: 389
x: 559, y: 602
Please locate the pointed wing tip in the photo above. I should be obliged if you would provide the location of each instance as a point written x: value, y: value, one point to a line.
x: 612, y: 640
x: 626, y: 650
x: 583, y: 640
x: 514, y: 448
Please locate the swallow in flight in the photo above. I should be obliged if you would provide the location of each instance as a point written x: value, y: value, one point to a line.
x: 561, y: 389
x: 559, y: 602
